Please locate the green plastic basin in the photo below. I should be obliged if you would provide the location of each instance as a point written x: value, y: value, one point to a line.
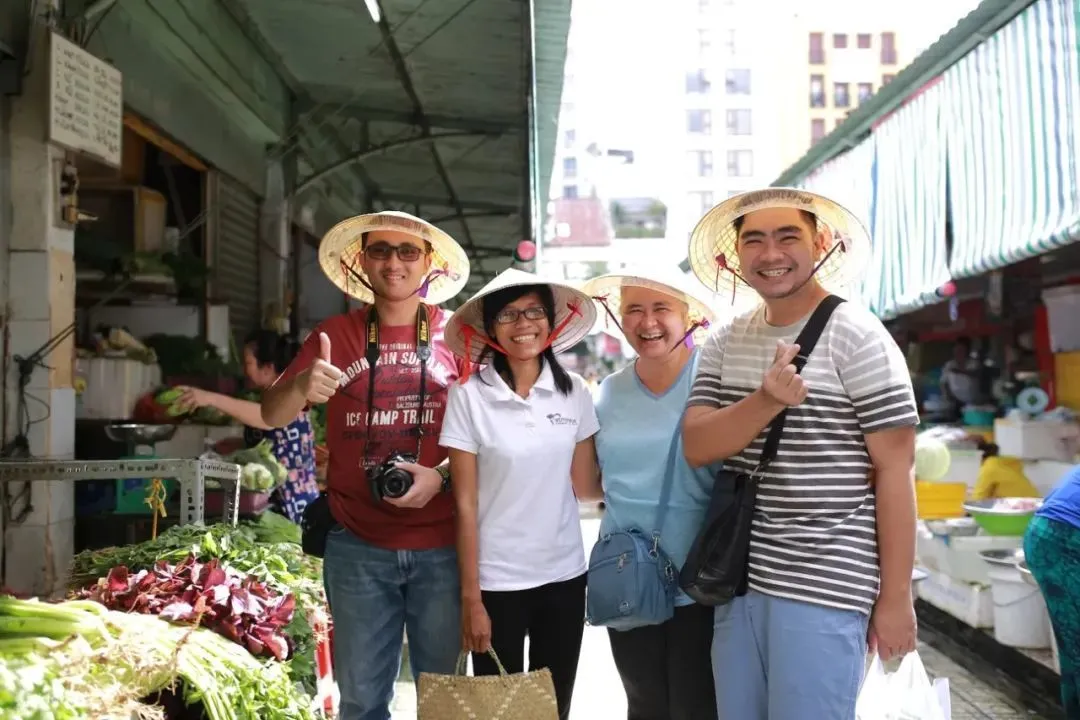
x: 995, y: 520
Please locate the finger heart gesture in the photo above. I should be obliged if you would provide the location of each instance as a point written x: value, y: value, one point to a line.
x: 782, y: 381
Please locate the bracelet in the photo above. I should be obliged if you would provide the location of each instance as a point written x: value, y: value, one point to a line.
x: 444, y: 471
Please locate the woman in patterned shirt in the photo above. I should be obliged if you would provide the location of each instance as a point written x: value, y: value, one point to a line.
x: 266, y: 355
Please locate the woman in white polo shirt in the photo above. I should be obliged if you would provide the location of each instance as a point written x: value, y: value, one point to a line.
x: 520, y: 433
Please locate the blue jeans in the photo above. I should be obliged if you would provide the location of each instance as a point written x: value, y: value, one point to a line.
x: 376, y: 596
x: 778, y: 659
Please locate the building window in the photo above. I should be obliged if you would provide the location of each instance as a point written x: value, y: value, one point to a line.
x: 738, y: 82
x: 704, y: 5
x: 704, y: 40
x: 699, y: 121
x: 817, y: 91
x: 569, y: 167
x: 888, y: 48
x: 701, y: 202
x: 740, y: 163
x: 738, y: 122
x: 569, y: 138
x: 817, y: 48
x: 697, y: 82
x: 863, y: 40
x: 570, y: 192
x: 701, y: 163
x: 866, y: 90
x: 731, y: 46
x: 841, y: 95
x: 839, y: 41
x: 817, y: 129
x: 887, y: 78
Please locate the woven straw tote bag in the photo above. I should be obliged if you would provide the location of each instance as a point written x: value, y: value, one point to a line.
x: 521, y: 696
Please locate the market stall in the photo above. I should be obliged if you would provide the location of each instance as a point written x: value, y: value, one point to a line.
x: 222, y: 621
x: 971, y: 531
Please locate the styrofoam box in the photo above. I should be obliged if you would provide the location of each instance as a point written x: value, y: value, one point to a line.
x: 1062, y: 309
x: 964, y: 601
x: 957, y: 557
x: 1035, y: 439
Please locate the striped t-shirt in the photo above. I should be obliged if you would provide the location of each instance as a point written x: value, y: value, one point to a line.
x: 814, y: 535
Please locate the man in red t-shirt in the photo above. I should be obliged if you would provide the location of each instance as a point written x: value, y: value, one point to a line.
x: 390, y: 566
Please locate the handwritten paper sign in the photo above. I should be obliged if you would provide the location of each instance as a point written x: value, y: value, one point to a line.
x: 86, y: 102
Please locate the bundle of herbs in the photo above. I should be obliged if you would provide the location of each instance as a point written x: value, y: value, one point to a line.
x: 282, y: 566
x: 79, y: 660
x: 231, y: 604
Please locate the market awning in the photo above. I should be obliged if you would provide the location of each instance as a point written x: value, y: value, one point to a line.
x: 908, y: 220
x: 1014, y: 141
x: 425, y: 108
x: 445, y: 110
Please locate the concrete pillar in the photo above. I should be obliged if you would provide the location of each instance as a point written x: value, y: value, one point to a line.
x: 40, y: 268
x: 275, y: 233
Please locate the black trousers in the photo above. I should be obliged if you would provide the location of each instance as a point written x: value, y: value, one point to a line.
x: 667, y: 669
x: 552, y: 616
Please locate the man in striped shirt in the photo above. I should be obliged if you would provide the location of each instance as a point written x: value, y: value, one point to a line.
x: 833, y: 536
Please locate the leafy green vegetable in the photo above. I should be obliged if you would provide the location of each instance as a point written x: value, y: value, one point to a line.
x: 255, y: 476
x: 282, y: 566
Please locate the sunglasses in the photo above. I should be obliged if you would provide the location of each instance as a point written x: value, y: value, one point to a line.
x: 382, y: 251
x: 511, y: 315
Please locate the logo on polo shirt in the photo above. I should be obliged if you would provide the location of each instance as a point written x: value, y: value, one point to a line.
x: 557, y: 419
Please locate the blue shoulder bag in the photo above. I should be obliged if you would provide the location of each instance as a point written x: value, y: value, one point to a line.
x: 631, y: 580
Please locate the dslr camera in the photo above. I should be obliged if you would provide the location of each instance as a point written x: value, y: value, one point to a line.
x: 388, y: 481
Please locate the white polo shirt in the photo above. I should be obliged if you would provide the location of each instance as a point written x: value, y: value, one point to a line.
x: 528, y: 522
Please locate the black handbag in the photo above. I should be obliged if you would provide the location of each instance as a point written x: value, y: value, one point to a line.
x: 716, y: 569
x: 316, y: 525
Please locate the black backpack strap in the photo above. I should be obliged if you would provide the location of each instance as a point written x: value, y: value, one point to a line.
x: 806, y: 341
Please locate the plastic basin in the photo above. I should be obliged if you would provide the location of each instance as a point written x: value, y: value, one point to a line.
x: 995, y: 520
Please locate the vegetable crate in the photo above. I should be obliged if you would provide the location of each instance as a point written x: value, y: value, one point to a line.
x: 327, y: 694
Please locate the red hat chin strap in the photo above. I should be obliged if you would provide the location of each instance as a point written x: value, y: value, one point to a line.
x: 574, y: 310
x: 469, y: 333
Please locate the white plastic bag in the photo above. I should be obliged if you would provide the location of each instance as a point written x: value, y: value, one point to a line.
x: 906, y: 694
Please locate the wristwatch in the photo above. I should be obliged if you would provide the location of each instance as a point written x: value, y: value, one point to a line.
x: 444, y: 471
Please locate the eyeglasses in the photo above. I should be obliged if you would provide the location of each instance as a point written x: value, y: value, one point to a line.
x: 511, y: 315
x: 382, y: 251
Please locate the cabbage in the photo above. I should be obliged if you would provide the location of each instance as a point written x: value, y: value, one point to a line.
x: 932, y: 459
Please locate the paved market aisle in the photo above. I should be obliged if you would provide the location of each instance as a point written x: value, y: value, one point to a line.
x: 599, y: 694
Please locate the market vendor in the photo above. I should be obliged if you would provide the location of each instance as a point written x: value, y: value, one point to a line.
x: 266, y: 355
x: 960, y: 377
x: 1001, y: 477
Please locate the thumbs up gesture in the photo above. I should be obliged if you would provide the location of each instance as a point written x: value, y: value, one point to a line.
x: 320, y: 381
x: 782, y: 381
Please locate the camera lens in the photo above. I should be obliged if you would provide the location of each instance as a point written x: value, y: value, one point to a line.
x: 396, y: 483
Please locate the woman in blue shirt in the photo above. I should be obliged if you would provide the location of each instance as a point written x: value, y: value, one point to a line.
x: 1052, y: 551
x: 266, y: 355
x: 666, y: 669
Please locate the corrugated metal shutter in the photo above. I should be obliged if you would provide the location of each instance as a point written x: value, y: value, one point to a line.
x: 234, y: 214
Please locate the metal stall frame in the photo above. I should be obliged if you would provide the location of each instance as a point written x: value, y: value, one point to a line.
x: 191, y: 474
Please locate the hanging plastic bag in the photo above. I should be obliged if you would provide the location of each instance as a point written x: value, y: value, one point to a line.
x: 906, y: 694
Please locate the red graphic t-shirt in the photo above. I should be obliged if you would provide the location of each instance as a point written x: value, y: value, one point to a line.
x: 355, y: 444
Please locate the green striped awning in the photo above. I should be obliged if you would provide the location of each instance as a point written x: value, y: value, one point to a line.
x: 908, y: 219
x: 1013, y: 130
x: 847, y: 179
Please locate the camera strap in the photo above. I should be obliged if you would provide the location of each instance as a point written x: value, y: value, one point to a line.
x: 423, y: 351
